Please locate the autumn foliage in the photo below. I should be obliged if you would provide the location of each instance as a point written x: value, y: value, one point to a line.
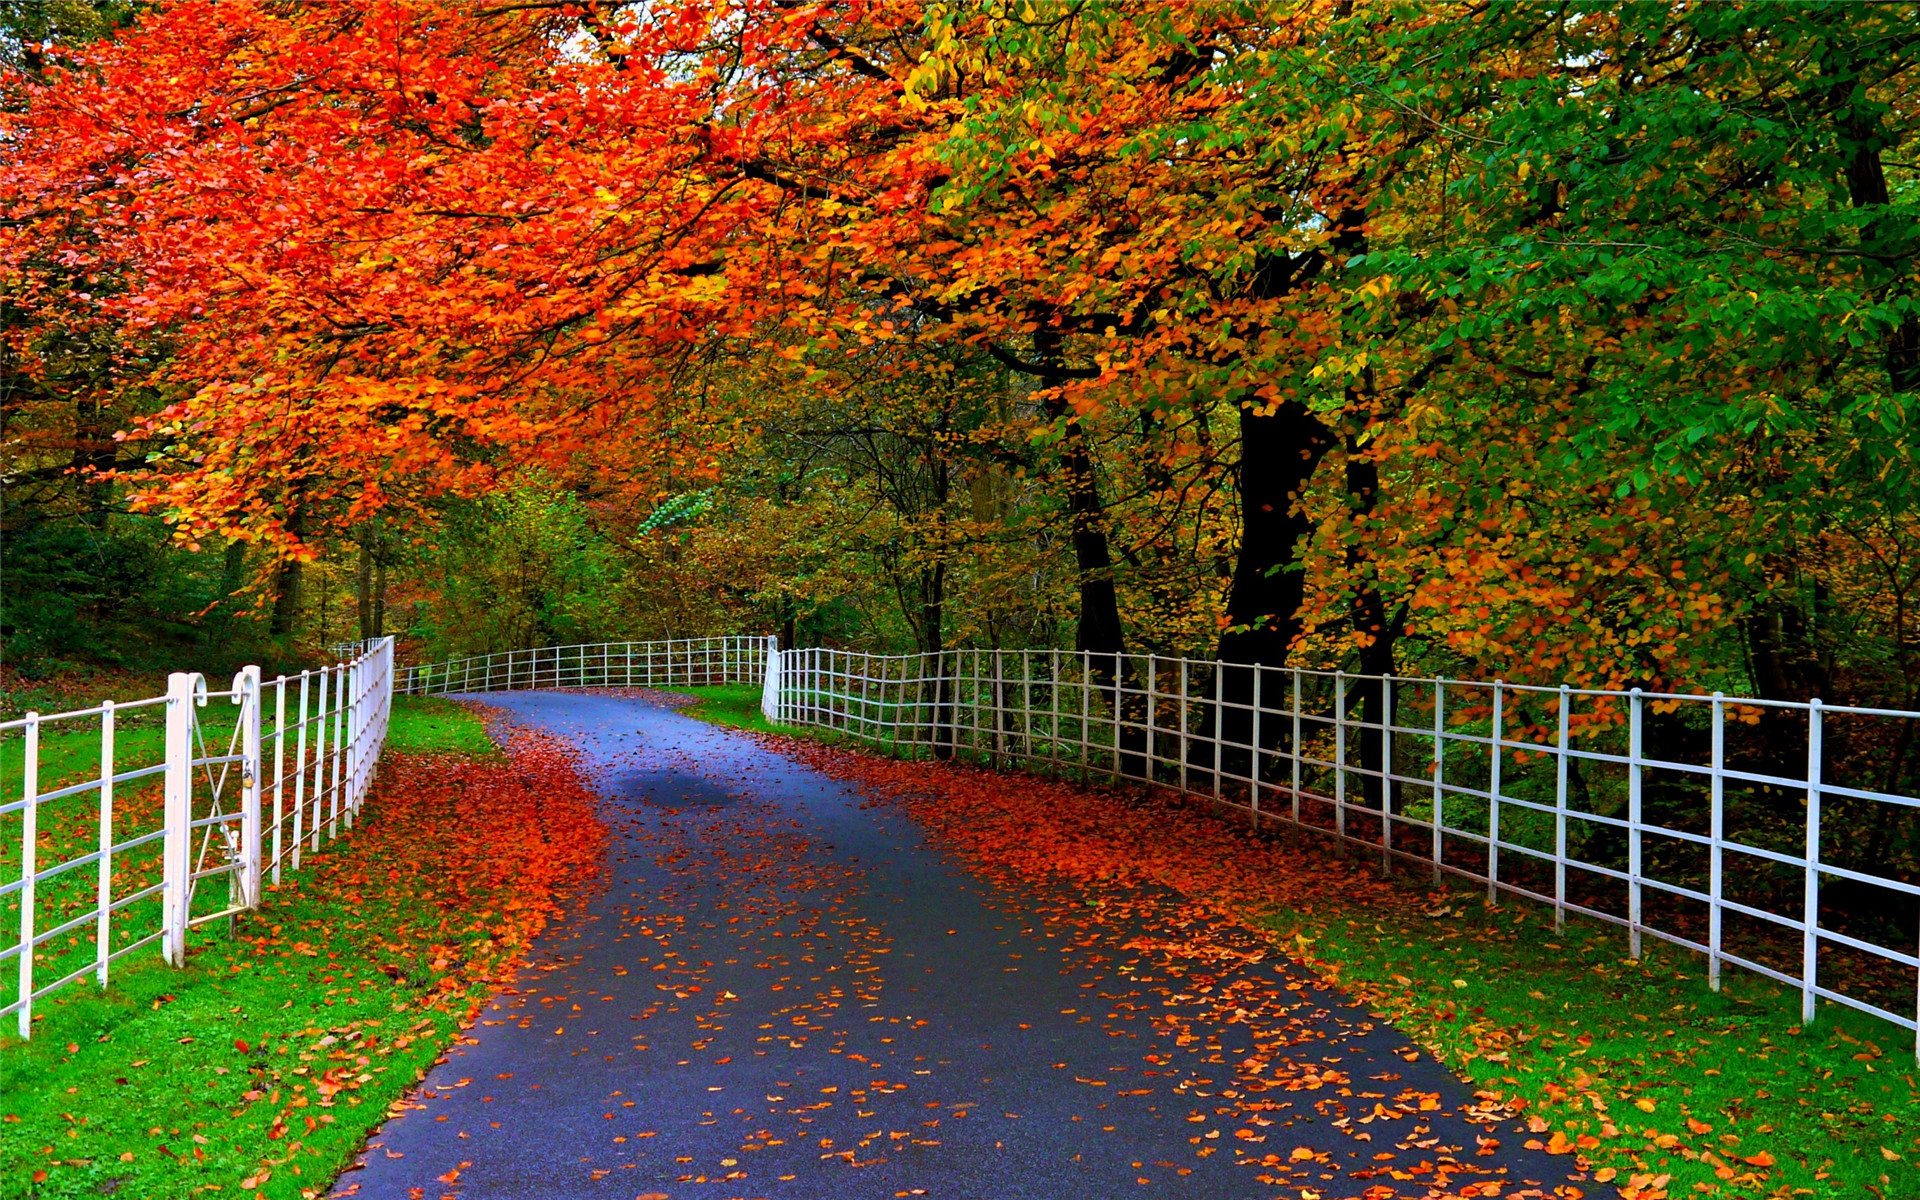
x: 1567, y: 346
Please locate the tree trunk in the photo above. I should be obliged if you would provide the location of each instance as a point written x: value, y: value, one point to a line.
x: 363, y: 586
x: 1099, y: 632
x: 287, y: 574
x: 1374, y: 633
x: 379, y: 596
x: 1279, y: 452
x: 1867, y: 188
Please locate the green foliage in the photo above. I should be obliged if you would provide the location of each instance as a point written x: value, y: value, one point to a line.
x: 116, y: 594
x: 526, y: 567
x: 678, y: 510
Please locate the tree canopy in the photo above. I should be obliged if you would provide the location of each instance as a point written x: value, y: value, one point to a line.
x: 1569, y: 342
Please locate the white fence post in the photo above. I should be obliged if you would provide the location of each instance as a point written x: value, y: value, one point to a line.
x: 103, y: 933
x: 355, y: 719
x: 1636, y: 708
x: 246, y: 687
x: 1386, y: 774
x: 176, y: 845
x: 1560, y: 814
x: 1439, y: 777
x: 1296, y: 754
x: 1219, y: 719
x: 1153, y: 719
x: 279, y: 770
x: 29, y: 841
x: 1340, y: 758
x: 770, y: 686
x: 1186, y: 749
x: 336, y: 755
x: 1718, y: 829
x: 1810, y: 948
x: 300, y: 770
x: 1493, y: 803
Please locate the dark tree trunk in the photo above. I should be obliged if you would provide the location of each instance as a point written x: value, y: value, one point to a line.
x: 94, y: 454
x: 286, y: 572
x: 286, y: 597
x: 1376, y: 634
x: 379, y: 596
x: 1279, y: 452
x: 1867, y: 188
x: 233, y: 581
x: 1099, y: 632
x: 363, y: 586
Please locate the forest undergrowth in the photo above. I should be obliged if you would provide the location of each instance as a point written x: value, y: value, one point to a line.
x: 261, y: 1067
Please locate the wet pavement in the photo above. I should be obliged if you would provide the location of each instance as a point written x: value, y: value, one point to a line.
x: 780, y: 988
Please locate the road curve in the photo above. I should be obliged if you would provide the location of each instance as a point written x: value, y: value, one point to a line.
x: 780, y: 989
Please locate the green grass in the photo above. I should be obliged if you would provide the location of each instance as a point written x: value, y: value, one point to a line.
x: 736, y: 705
x: 430, y: 725
x: 1633, y: 1044
x: 420, y: 724
x: 171, y: 1081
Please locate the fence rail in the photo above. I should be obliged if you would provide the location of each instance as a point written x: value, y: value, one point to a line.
x: 680, y: 662
x: 164, y: 796
x: 1775, y: 837
x: 1780, y: 838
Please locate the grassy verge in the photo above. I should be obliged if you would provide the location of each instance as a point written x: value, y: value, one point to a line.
x: 1662, y: 1084
x: 261, y: 1066
x: 736, y: 705
x: 429, y: 725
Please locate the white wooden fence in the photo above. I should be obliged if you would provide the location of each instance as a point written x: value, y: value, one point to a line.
x: 1760, y: 834
x: 1774, y: 837
x: 160, y: 796
x: 680, y: 662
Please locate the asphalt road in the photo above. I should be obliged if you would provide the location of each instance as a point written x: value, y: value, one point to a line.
x: 781, y: 989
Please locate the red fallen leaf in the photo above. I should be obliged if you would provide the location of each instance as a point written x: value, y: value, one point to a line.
x: 1698, y: 1126
x: 40, y: 1176
x: 1558, y: 1144
x: 240, y: 1045
x: 452, y: 1176
x: 1762, y: 1159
